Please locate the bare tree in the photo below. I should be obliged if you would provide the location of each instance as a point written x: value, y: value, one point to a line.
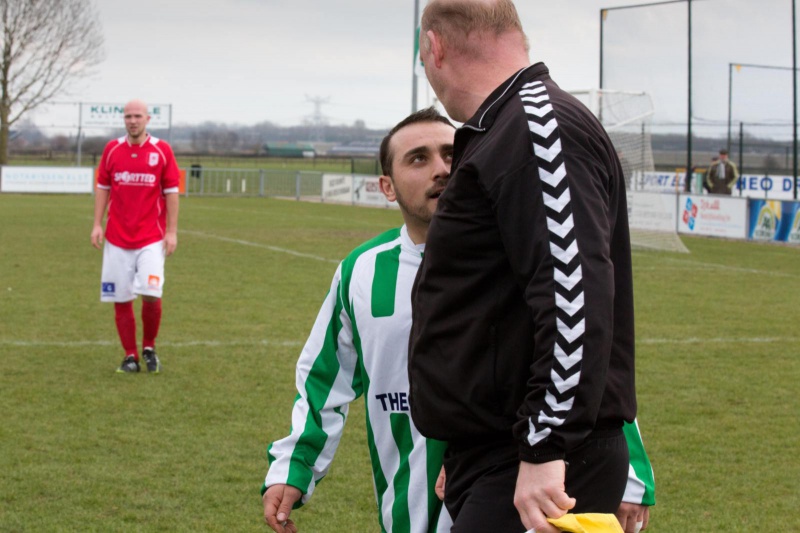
x: 45, y: 44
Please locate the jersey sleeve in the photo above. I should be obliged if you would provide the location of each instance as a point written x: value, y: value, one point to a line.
x: 641, y: 487
x: 170, y: 179
x: 327, y: 381
x: 103, y: 172
x: 561, y: 253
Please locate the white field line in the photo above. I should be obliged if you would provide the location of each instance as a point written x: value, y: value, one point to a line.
x: 365, y: 223
x: 722, y: 340
x: 264, y: 246
x: 176, y: 344
x: 268, y: 342
x: 687, y: 263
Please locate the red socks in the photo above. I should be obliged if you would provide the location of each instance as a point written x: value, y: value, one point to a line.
x: 151, y: 320
x: 126, y: 327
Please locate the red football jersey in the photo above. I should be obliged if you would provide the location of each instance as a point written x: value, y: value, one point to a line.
x: 138, y: 176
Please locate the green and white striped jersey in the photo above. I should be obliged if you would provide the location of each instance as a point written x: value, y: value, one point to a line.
x: 641, y: 487
x: 359, y: 346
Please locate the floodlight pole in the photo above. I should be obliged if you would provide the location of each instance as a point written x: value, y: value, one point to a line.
x: 604, y: 12
x: 689, y: 121
x: 730, y: 103
x: 416, y: 42
x: 740, y: 66
x: 794, y: 96
x: 602, y: 27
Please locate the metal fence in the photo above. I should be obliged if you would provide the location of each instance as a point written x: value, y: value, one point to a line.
x: 252, y: 182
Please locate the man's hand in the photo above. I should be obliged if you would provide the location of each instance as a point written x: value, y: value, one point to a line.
x: 439, y: 488
x: 541, y: 494
x: 278, y: 502
x: 97, y: 237
x: 170, y: 243
x: 630, y: 515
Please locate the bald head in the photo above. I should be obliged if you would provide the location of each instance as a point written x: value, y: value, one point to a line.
x: 464, y: 26
x: 136, y: 119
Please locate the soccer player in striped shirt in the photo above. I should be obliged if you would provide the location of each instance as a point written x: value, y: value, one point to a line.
x: 359, y: 346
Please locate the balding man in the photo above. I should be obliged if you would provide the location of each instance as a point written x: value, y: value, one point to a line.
x: 139, y: 178
x: 522, y: 344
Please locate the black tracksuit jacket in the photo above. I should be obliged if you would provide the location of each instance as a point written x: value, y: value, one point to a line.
x: 523, y: 305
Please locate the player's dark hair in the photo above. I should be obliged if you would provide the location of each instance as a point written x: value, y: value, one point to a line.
x: 429, y: 114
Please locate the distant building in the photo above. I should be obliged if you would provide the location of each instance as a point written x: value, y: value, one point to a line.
x: 355, y: 150
x: 288, y: 150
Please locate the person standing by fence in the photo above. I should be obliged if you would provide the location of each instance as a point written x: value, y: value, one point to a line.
x: 721, y: 176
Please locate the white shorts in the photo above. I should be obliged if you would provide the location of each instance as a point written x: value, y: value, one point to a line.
x: 127, y: 273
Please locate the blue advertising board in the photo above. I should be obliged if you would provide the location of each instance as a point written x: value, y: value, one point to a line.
x: 775, y: 220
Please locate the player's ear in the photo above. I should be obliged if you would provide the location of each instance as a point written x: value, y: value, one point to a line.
x: 437, y: 50
x: 387, y: 188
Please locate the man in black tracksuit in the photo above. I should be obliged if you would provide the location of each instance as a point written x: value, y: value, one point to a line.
x: 522, y: 344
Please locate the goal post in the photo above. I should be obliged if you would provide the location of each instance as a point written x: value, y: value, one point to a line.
x: 627, y: 118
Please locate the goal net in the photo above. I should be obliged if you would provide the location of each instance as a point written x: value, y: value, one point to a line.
x: 627, y: 117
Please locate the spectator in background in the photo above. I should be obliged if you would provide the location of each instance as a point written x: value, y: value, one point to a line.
x: 721, y: 175
x: 714, y: 161
x: 138, y: 180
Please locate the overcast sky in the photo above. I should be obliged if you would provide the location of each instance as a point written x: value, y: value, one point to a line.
x: 247, y: 61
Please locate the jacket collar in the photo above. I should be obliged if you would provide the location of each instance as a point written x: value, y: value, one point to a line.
x: 487, y: 112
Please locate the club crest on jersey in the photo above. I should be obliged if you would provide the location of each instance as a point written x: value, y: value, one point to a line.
x: 108, y: 289
x: 153, y: 282
x: 153, y: 159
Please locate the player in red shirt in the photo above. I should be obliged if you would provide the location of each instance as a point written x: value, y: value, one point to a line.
x: 138, y: 182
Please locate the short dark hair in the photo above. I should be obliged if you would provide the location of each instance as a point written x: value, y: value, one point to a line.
x: 429, y: 114
x: 723, y: 152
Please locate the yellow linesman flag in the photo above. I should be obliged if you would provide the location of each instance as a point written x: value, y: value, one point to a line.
x: 587, y: 523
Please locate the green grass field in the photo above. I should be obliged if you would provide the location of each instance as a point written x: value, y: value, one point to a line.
x: 85, y: 449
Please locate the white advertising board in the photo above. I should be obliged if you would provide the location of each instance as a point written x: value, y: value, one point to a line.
x: 367, y: 191
x: 751, y: 185
x: 359, y: 190
x: 105, y: 115
x: 717, y: 216
x: 765, y: 187
x: 661, y: 182
x: 651, y: 211
x: 337, y: 188
x: 47, y: 179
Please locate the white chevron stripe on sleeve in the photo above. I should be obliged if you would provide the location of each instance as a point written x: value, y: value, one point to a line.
x: 535, y: 437
x: 570, y: 307
x: 563, y: 385
x: 568, y: 361
x: 566, y: 405
x: 533, y: 98
x: 565, y: 255
x: 539, y: 111
x: 534, y: 84
x: 548, y: 153
x: 571, y: 334
x: 568, y: 282
x: 560, y: 229
x: 550, y: 420
x: 557, y: 204
x: 545, y: 130
x: 555, y: 178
